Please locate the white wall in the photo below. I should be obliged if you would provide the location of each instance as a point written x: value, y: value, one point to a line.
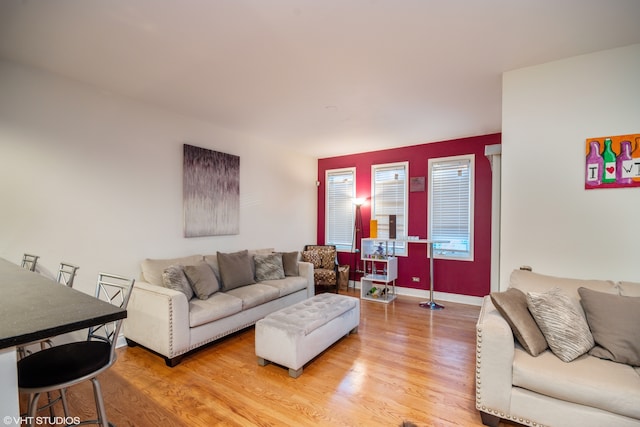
x: 95, y: 179
x: 548, y: 220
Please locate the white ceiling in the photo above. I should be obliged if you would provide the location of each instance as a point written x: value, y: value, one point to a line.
x: 327, y: 77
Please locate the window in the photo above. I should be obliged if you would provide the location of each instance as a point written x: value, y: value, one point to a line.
x: 389, y: 197
x: 451, y: 189
x: 340, y: 210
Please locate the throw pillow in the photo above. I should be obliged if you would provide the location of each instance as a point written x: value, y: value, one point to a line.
x: 328, y: 258
x: 236, y: 269
x: 512, y: 304
x: 615, y: 324
x: 202, y: 279
x: 561, y: 323
x: 290, y: 263
x: 313, y: 257
x: 173, y: 278
x: 268, y: 267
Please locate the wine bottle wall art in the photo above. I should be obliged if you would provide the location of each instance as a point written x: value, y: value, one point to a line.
x: 612, y: 162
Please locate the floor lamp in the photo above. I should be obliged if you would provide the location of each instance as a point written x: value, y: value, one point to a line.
x: 357, y: 235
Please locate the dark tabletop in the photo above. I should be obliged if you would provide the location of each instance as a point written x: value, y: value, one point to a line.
x: 34, y: 307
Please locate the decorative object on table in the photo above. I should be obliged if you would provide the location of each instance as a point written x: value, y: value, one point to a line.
x: 373, y: 228
x: 612, y: 162
x: 392, y: 226
x: 211, y: 192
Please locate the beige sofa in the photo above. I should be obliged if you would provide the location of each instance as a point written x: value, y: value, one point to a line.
x: 544, y: 390
x: 171, y: 323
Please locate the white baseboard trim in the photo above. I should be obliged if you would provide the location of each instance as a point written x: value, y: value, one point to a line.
x: 121, y: 342
x: 437, y: 296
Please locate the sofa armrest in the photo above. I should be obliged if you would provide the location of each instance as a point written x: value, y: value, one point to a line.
x: 305, y: 269
x: 495, y: 349
x: 158, y: 318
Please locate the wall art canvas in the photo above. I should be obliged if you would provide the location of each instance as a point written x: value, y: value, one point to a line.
x: 211, y: 192
x: 612, y: 162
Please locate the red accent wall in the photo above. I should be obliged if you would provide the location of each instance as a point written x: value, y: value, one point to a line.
x: 457, y: 277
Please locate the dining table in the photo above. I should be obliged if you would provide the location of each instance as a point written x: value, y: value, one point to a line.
x: 34, y: 307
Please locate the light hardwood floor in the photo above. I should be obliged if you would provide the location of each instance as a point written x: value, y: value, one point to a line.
x: 405, y: 364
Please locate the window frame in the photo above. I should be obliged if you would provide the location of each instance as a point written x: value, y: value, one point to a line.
x: 342, y: 246
x: 438, y: 251
x: 401, y: 230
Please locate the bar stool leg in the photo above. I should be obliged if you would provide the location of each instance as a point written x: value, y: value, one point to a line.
x: 97, y: 393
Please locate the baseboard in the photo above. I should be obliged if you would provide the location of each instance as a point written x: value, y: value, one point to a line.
x: 437, y: 296
x: 121, y: 342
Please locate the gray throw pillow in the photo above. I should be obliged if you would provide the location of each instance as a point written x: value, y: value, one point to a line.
x: 173, y: 277
x: 561, y: 323
x: 512, y: 304
x: 236, y: 269
x: 615, y: 324
x: 202, y: 279
x: 268, y: 267
x: 290, y: 263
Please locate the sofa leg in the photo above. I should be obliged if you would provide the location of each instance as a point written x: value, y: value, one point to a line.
x: 489, y: 419
x: 172, y: 362
x: 295, y: 373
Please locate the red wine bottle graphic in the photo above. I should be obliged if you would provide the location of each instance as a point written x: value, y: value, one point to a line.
x: 595, y: 165
x: 609, y: 158
x: 624, y: 164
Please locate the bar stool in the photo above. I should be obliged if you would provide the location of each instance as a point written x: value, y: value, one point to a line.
x: 60, y: 367
x: 66, y: 276
x: 67, y: 273
x: 29, y: 261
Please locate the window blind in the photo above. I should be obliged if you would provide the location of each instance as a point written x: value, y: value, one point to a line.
x: 340, y: 210
x: 451, y: 208
x: 389, y: 197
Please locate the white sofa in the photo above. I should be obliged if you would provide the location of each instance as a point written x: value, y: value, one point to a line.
x: 539, y: 391
x: 165, y: 321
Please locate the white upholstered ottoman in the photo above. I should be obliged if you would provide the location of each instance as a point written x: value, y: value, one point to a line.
x: 294, y: 335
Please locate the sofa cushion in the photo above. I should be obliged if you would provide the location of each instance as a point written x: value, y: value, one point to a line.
x: 236, y: 269
x: 313, y: 257
x: 561, y: 323
x: 268, y: 267
x: 202, y: 279
x: 288, y: 285
x: 290, y: 263
x: 215, y: 307
x: 512, y: 304
x: 255, y: 294
x: 173, y: 277
x: 615, y: 324
x: 152, y: 269
x: 588, y: 381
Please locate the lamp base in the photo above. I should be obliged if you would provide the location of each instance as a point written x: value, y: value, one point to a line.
x: 431, y: 305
